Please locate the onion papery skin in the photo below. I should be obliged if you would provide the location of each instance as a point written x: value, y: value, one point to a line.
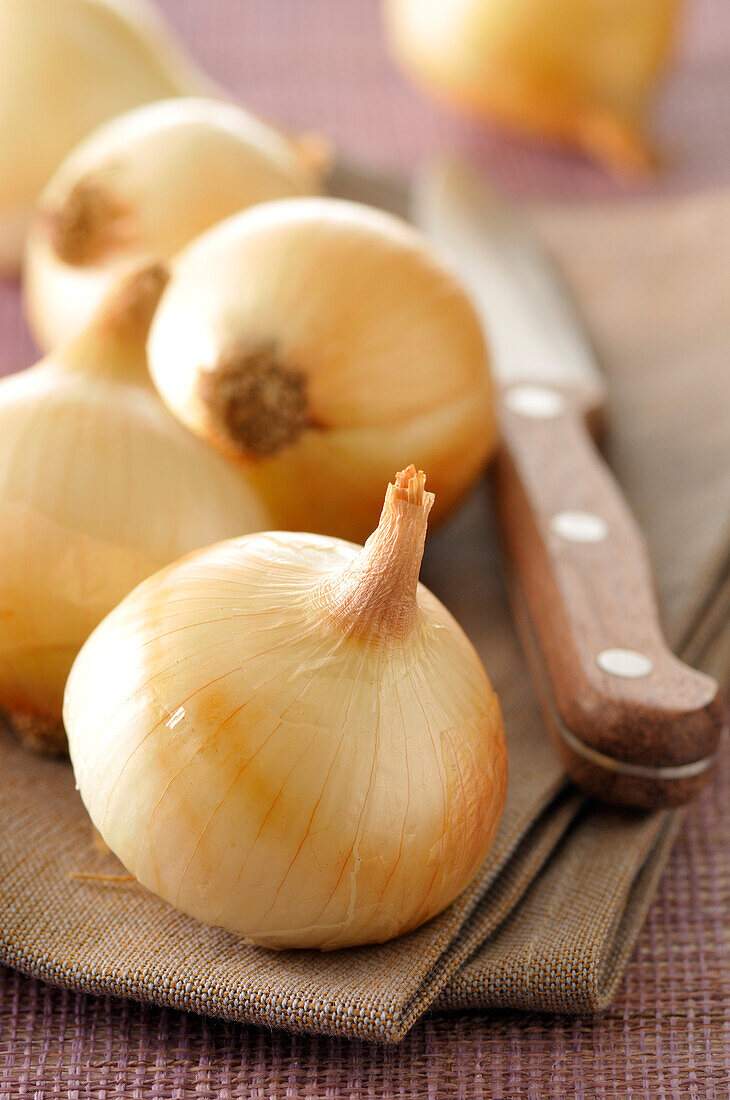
x: 65, y: 67
x: 577, y: 73
x: 266, y: 769
x: 160, y: 174
x: 380, y: 346
x: 99, y: 487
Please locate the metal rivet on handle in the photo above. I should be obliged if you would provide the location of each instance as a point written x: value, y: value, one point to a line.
x: 536, y: 401
x: 579, y: 526
x: 624, y: 662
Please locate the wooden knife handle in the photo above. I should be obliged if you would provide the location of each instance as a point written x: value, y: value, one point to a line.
x: 633, y: 724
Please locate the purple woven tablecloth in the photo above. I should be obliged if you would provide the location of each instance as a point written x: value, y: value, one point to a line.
x: 667, y: 1034
x: 321, y: 64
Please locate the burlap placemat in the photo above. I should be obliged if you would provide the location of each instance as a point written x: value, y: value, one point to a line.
x: 550, y: 920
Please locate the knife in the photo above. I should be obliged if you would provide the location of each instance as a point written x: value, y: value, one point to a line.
x: 633, y: 724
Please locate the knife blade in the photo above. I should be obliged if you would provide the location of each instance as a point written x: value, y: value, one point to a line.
x: 633, y: 724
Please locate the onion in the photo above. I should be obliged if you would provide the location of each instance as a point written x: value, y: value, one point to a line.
x: 66, y: 66
x: 143, y: 185
x: 575, y: 72
x: 288, y: 736
x: 99, y: 487
x: 321, y: 344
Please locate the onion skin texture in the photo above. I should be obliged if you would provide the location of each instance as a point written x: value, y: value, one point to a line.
x: 300, y: 769
x: 99, y: 487
x: 65, y: 67
x: 142, y: 186
x: 366, y: 351
x: 576, y: 73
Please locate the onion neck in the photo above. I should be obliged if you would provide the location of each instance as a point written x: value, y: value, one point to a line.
x: 376, y: 595
x: 113, y: 345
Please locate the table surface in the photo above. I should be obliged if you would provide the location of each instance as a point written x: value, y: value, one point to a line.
x: 321, y: 64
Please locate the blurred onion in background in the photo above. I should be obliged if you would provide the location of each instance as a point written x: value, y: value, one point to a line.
x: 573, y: 72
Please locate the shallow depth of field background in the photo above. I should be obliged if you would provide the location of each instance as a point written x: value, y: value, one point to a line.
x: 323, y: 64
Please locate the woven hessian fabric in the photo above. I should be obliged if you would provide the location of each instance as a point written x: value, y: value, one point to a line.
x: 555, y: 915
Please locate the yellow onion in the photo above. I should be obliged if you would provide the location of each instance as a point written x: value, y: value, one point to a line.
x: 321, y: 344
x: 66, y: 66
x: 99, y: 487
x: 576, y: 72
x: 143, y: 185
x: 287, y: 736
